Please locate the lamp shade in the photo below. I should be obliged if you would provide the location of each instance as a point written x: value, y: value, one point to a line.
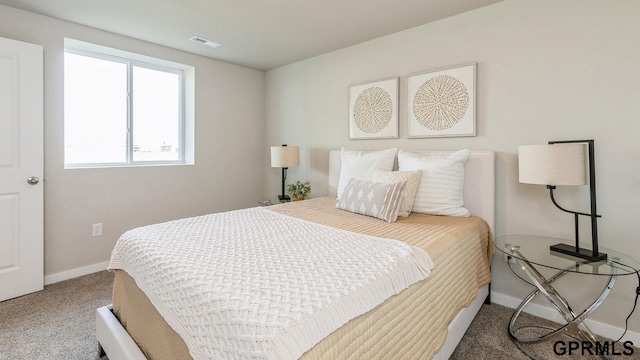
x: 557, y: 164
x: 285, y: 156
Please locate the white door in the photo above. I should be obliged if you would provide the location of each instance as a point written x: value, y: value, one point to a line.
x: 21, y: 162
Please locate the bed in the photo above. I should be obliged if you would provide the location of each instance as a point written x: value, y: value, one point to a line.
x: 426, y: 320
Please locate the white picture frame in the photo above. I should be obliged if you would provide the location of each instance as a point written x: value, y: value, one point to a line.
x: 373, y: 110
x: 442, y: 103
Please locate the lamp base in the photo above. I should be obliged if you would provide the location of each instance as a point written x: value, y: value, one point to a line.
x: 284, y: 198
x: 581, y: 253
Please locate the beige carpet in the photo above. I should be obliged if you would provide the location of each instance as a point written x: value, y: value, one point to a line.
x: 488, y: 338
x: 59, y: 323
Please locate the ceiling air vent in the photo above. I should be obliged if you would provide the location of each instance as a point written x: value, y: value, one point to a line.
x: 199, y: 40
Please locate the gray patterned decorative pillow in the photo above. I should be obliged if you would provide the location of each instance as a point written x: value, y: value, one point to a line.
x: 380, y: 200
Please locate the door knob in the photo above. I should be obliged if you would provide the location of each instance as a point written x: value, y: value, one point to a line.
x: 32, y: 180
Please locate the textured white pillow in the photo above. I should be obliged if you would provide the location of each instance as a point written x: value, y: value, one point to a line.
x: 372, y: 198
x: 409, y: 193
x: 441, y: 186
x: 360, y: 165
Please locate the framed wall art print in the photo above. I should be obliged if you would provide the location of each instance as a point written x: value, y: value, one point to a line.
x: 373, y: 110
x: 442, y: 103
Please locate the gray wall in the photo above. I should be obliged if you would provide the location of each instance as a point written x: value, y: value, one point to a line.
x: 229, y: 125
x: 547, y: 70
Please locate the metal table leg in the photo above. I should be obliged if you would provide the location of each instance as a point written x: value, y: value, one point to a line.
x: 575, y: 326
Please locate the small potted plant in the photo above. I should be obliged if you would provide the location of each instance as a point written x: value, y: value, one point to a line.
x: 298, y: 190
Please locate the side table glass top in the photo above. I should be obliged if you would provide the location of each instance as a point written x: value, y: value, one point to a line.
x: 270, y: 200
x: 536, y: 250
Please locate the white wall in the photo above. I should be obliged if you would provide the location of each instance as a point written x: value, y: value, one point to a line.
x: 229, y: 119
x: 547, y: 70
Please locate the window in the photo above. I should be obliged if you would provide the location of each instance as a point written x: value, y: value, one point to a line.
x: 123, y: 109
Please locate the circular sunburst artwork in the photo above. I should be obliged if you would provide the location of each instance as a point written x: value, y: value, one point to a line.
x: 372, y: 110
x: 441, y: 102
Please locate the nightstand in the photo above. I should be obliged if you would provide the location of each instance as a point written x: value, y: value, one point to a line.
x: 271, y: 200
x: 533, y: 256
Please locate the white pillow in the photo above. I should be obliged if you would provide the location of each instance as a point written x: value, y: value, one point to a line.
x: 409, y: 193
x: 441, y: 186
x: 360, y: 165
x: 372, y: 198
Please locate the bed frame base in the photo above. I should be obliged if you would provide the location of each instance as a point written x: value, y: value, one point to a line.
x: 460, y: 324
x: 114, y: 340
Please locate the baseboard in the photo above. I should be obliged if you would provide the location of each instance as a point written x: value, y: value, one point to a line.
x: 549, y: 313
x: 74, y: 273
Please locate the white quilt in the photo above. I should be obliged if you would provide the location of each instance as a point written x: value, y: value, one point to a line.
x: 255, y: 284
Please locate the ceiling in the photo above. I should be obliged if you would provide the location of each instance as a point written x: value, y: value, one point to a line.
x: 259, y: 34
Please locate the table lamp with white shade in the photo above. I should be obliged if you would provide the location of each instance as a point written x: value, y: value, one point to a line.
x: 285, y: 157
x: 560, y: 163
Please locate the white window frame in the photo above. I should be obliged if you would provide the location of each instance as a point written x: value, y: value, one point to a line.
x: 186, y: 76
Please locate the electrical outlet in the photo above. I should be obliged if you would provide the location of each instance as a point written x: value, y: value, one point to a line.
x: 97, y: 229
x: 510, y: 259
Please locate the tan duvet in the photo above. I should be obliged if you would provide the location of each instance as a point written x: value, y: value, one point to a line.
x: 410, y: 325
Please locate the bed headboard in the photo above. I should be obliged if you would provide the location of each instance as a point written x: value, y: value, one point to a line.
x: 479, y: 182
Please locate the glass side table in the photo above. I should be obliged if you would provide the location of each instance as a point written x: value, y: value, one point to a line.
x: 532, y: 253
x: 271, y: 200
